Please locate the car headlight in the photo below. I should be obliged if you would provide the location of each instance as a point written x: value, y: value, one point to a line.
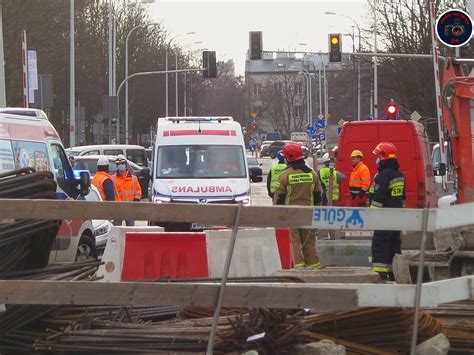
x: 101, y: 230
x: 161, y: 199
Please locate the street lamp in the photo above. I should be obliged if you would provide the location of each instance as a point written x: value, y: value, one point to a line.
x: 176, y: 76
x: 358, y: 66
x: 126, y: 71
x: 166, y: 66
x: 185, y: 79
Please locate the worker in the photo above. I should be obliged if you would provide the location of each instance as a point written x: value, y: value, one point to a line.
x: 299, y: 185
x: 387, y: 191
x: 103, y: 181
x: 323, y: 175
x: 359, y: 182
x: 275, y: 171
x: 126, y: 184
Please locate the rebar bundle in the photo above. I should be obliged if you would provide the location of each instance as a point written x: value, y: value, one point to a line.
x: 26, y: 244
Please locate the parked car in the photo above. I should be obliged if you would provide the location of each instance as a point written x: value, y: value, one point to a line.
x: 264, y: 148
x: 276, y: 146
x: 135, y: 153
x: 102, y: 228
x: 89, y: 162
x: 255, y: 170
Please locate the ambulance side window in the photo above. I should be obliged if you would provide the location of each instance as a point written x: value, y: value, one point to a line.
x: 61, y: 168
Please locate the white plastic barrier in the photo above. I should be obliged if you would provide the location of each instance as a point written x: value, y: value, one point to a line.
x: 255, y: 252
x: 115, y: 250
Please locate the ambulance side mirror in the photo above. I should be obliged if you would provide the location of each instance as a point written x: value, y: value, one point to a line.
x: 83, y: 181
x: 441, y: 170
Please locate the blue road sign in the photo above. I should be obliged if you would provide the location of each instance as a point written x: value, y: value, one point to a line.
x: 252, y: 147
x: 322, y: 137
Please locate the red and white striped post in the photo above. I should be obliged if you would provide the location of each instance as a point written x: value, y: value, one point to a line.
x: 437, y: 79
x: 24, y: 60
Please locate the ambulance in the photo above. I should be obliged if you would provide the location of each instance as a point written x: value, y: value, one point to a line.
x: 199, y: 160
x: 32, y: 141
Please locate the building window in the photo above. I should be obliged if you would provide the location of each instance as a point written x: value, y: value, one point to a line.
x: 257, y: 89
x: 298, y: 112
x: 298, y: 88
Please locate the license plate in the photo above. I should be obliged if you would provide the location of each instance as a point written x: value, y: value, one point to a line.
x: 196, y: 226
x: 359, y: 233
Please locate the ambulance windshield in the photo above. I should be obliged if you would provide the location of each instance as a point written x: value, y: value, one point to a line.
x: 200, y: 162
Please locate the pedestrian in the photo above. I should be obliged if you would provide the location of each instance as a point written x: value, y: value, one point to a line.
x: 338, y: 178
x: 359, y: 182
x: 275, y: 171
x: 103, y: 181
x: 126, y: 184
x: 387, y: 191
x: 299, y: 185
x: 72, y: 160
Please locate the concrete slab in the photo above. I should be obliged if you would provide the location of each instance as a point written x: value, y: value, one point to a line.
x: 255, y: 253
x: 437, y: 345
x: 344, y: 252
x: 323, y: 347
x: 333, y: 275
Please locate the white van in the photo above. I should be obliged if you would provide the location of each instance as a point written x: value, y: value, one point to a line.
x: 28, y: 141
x: 135, y: 153
x: 199, y: 160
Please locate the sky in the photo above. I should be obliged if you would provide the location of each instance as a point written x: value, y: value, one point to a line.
x: 224, y: 25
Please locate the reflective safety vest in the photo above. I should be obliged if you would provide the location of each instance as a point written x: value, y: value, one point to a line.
x: 128, y: 187
x: 360, y: 179
x: 276, y: 171
x: 324, y: 176
x: 98, y: 181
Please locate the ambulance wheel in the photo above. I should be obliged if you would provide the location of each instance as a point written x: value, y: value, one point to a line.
x: 86, y: 249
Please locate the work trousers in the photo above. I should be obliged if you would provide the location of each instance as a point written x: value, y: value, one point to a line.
x: 385, y: 244
x: 304, y: 247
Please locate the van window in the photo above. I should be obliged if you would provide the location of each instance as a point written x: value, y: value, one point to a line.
x: 90, y: 164
x: 7, y: 163
x: 73, y: 153
x: 200, y: 162
x: 113, y: 151
x: 138, y: 156
x: 92, y: 152
x: 30, y: 154
x: 61, y: 169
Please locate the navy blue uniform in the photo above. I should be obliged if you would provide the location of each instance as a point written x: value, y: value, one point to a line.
x: 387, y: 191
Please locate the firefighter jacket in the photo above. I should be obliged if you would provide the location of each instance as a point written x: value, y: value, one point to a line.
x: 127, y: 186
x: 359, y: 180
x: 297, y: 185
x: 272, y: 178
x: 388, y: 189
x: 104, y: 183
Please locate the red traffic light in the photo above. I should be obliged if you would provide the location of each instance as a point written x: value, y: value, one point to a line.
x: 392, y: 109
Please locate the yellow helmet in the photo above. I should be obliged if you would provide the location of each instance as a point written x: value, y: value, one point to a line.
x: 356, y: 153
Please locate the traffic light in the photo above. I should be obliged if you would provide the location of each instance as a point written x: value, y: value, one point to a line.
x: 391, y: 111
x: 335, y: 45
x: 209, y: 64
x: 255, y: 45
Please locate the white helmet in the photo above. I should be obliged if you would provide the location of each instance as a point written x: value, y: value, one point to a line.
x: 120, y: 158
x: 325, y: 159
x: 103, y: 161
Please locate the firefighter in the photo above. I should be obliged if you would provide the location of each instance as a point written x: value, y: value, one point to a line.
x: 324, y: 174
x: 126, y: 184
x: 275, y: 171
x: 103, y: 181
x: 299, y: 185
x: 387, y: 191
x: 359, y: 182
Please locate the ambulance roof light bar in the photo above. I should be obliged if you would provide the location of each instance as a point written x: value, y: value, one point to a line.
x: 199, y: 119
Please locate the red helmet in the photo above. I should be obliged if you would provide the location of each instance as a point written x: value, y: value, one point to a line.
x: 292, y: 151
x: 385, y: 150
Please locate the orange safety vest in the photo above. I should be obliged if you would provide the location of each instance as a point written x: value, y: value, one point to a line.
x: 128, y: 186
x: 98, y: 182
x: 360, y: 179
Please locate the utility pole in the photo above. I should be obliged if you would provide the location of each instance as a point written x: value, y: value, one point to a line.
x: 3, y: 100
x: 72, y: 84
x: 111, y: 91
x: 376, y: 101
